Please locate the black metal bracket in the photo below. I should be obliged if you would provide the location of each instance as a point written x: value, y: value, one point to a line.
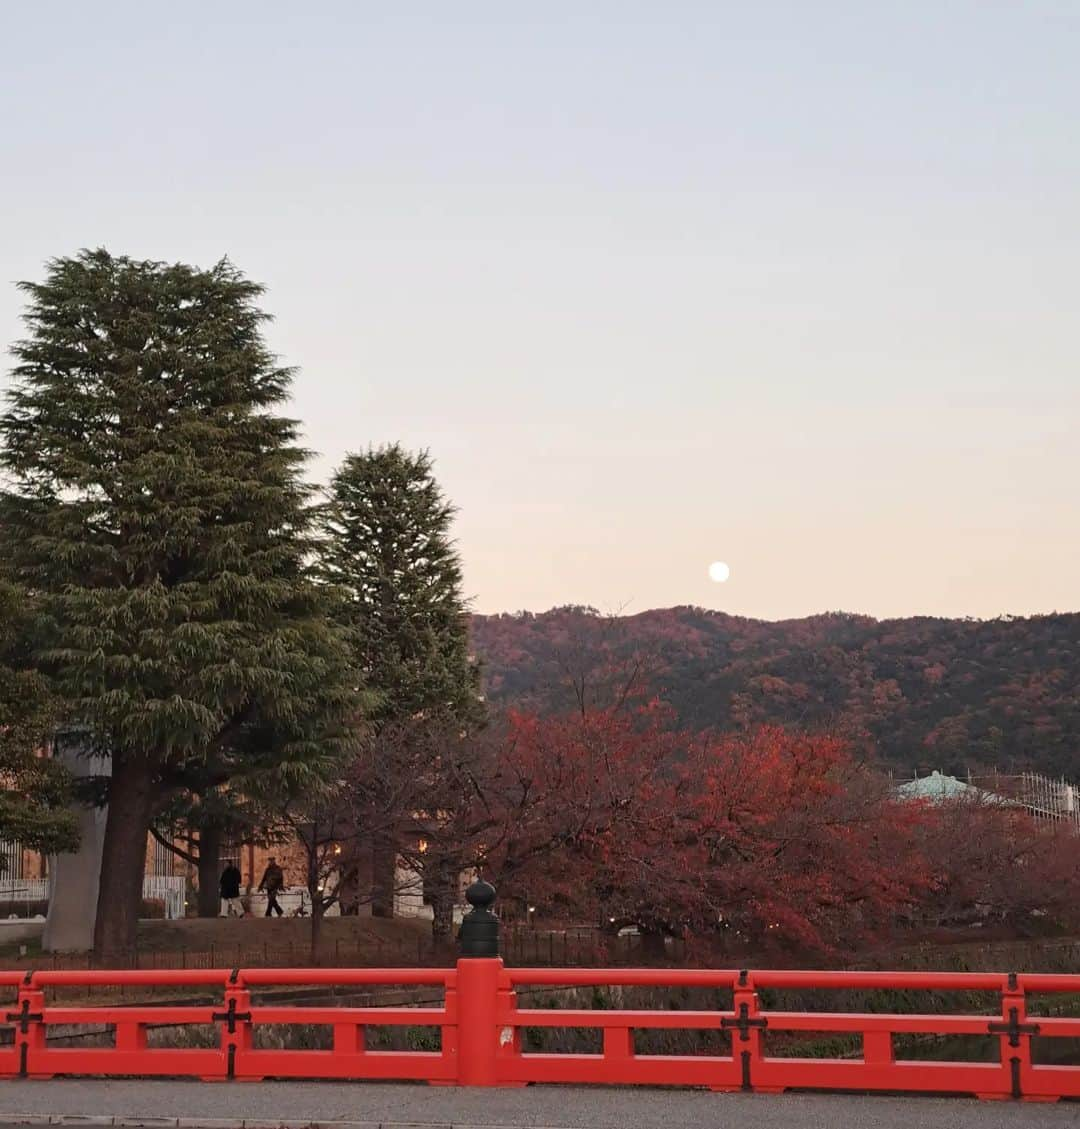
x: 746, y: 1084
x: 24, y: 1017
x: 231, y: 1017
x: 1014, y: 1028
x: 1014, y: 1075
x: 743, y: 1022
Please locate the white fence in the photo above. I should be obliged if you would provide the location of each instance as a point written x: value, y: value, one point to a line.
x: 295, y: 901
x: 11, y: 858
x: 172, y: 891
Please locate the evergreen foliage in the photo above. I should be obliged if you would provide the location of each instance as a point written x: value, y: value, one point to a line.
x: 387, y: 548
x: 158, y: 507
x: 33, y: 801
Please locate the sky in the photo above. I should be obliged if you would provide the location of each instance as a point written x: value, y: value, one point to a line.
x: 790, y: 286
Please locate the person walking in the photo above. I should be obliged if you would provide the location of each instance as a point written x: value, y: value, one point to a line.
x: 230, y: 890
x: 273, y: 882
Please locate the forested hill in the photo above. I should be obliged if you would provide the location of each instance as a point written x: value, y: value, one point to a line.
x: 930, y: 693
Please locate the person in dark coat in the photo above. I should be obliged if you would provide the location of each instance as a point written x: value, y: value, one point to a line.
x: 230, y: 890
x: 273, y: 882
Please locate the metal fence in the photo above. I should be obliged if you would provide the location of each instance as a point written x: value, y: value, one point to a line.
x: 11, y: 859
x: 29, y: 892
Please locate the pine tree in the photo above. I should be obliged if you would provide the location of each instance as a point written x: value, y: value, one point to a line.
x: 158, y: 507
x: 387, y: 548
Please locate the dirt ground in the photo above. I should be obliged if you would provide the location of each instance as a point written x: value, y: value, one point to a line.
x: 256, y: 941
x: 198, y: 934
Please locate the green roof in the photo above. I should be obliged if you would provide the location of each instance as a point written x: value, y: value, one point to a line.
x: 938, y: 786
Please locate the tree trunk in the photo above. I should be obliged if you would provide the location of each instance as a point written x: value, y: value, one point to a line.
x: 316, y: 925
x: 653, y: 945
x: 349, y: 891
x: 383, y: 875
x: 209, y: 871
x: 123, y: 858
x: 442, y: 901
x: 314, y: 893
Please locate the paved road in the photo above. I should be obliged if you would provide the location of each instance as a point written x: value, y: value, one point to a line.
x: 549, y: 1107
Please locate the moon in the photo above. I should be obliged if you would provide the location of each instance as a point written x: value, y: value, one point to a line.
x: 719, y: 572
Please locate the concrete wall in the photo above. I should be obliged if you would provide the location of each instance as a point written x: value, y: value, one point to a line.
x: 73, y: 879
x: 24, y: 929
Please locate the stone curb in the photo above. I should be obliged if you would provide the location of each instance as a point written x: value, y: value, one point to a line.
x: 77, y: 1121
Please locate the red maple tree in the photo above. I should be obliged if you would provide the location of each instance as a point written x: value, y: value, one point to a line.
x: 770, y: 838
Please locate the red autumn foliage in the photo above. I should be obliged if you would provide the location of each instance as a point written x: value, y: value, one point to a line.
x: 777, y: 839
x: 992, y: 863
x: 525, y: 798
x: 769, y: 838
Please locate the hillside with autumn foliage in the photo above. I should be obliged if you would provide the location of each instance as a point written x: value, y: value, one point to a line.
x: 918, y: 693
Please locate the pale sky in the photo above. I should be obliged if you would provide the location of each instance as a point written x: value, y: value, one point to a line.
x: 793, y: 286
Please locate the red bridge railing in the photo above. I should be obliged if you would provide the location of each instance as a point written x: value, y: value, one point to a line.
x: 481, y: 1021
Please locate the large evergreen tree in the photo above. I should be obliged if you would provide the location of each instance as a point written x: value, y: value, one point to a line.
x: 387, y: 548
x: 157, y: 506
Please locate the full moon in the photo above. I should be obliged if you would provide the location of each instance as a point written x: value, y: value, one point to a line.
x: 719, y: 572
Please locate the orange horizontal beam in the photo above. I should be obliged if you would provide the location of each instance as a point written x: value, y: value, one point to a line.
x: 857, y: 1022
x: 552, y: 1017
x: 150, y: 1015
x: 626, y: 977
x: 260, y: 977
x: 361, y: 1016
x: 930, y: 981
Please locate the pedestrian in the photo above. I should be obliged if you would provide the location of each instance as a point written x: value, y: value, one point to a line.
x: 273, y: 882
x: 230, y: 890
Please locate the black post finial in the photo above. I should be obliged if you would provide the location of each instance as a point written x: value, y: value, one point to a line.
x: 479, y: 934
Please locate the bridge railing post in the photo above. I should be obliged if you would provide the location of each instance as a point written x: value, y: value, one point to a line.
x: 237, y: 1032
x: 746, y: 1027
x: 1015, y: 1031
x: 479, y: 979
x: 29, y: 1026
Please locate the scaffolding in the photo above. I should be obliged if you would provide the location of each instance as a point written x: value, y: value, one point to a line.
x: 1048, y: 799
x: 1045, y: 799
